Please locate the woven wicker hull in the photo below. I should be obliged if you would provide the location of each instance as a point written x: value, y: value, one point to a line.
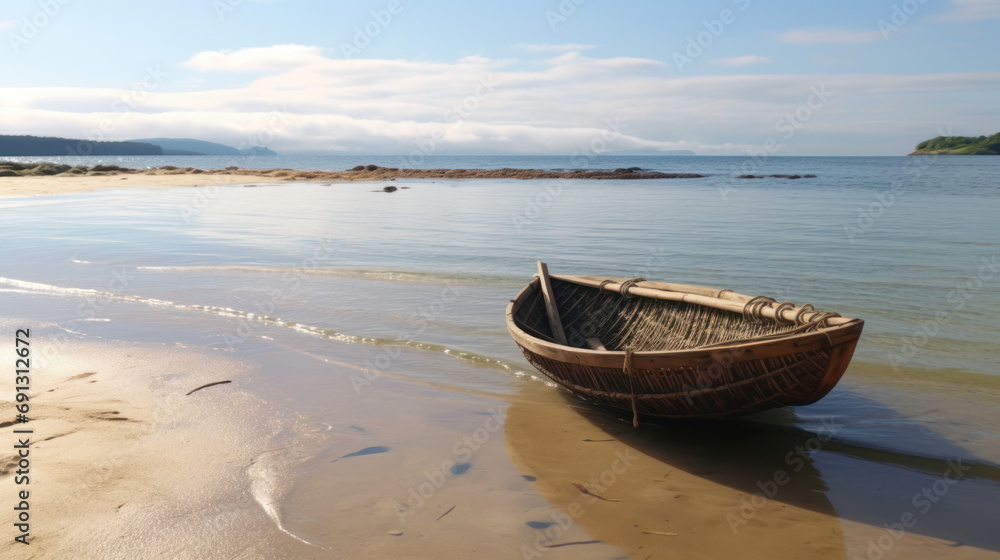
x: 685, y: 359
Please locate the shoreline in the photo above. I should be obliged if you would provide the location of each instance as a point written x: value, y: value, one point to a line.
x: 34, y: 179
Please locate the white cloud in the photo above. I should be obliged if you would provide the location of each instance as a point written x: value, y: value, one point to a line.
x: 972, y: 10
x: 278, y: 57
x: 741, y: 61
x: 551, y: 106
x: 830, y: 36
x: 568, y: 47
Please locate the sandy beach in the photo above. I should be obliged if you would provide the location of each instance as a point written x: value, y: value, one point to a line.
x: 118, y: 449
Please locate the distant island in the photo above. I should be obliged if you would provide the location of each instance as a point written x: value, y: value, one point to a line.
x: 50, y: 146
x: 191, y: 147
x: 961, y: 145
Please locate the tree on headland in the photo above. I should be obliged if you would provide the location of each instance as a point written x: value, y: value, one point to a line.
x: 961, y: 145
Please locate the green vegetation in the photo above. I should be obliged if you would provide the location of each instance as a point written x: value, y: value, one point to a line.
x: 961, y: 145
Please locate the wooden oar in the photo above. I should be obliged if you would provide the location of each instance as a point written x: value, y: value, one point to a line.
x: 555, y: 323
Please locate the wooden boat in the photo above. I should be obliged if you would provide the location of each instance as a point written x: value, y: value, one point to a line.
x: 674, y: 350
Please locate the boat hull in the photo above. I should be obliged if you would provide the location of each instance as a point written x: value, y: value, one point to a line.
x: 721, y: 380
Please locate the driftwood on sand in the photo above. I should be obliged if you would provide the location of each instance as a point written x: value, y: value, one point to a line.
x: 208, y: 385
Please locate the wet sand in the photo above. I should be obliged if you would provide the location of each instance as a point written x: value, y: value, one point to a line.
x: 49, y: 185
x: 738, y: 489
x: 131, y: 466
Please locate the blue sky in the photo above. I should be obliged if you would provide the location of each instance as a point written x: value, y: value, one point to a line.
x: 506, y: 77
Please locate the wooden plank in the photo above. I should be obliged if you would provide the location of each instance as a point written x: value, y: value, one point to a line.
x: 555, y: 323
x: 733, y: 305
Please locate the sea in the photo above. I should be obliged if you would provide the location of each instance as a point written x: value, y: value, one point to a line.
x: 409, y: 289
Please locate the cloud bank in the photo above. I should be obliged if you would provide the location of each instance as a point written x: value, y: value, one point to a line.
x: 294, y: 98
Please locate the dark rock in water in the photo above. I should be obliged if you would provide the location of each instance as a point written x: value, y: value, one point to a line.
x: 107, y: 168
x: 538, y: 524
x: 358, y: 168
x: 389, y: 189
x: 232, y: 168
x: 777, y: 176
x: 169, y: 168
x: 404, y: 187
x: 49, y: 169
x: 365, y: 451
x: 461, y: 468
x: 528, y: 477
x: 371, y: 167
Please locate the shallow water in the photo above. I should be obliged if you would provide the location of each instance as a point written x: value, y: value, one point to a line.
x: 337, y: 292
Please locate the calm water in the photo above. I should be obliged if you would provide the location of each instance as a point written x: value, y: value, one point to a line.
x: 910, y: 245
x: 415, y: 282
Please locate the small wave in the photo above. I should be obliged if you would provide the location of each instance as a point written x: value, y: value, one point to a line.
x: 251, y: 318
x: 374, y: 274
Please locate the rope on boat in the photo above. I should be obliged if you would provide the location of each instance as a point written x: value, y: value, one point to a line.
x: 623, y: 289
x: 753, y: 308
x: 798, y: 315
x: 781, y: 307
x: 627, y: 368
